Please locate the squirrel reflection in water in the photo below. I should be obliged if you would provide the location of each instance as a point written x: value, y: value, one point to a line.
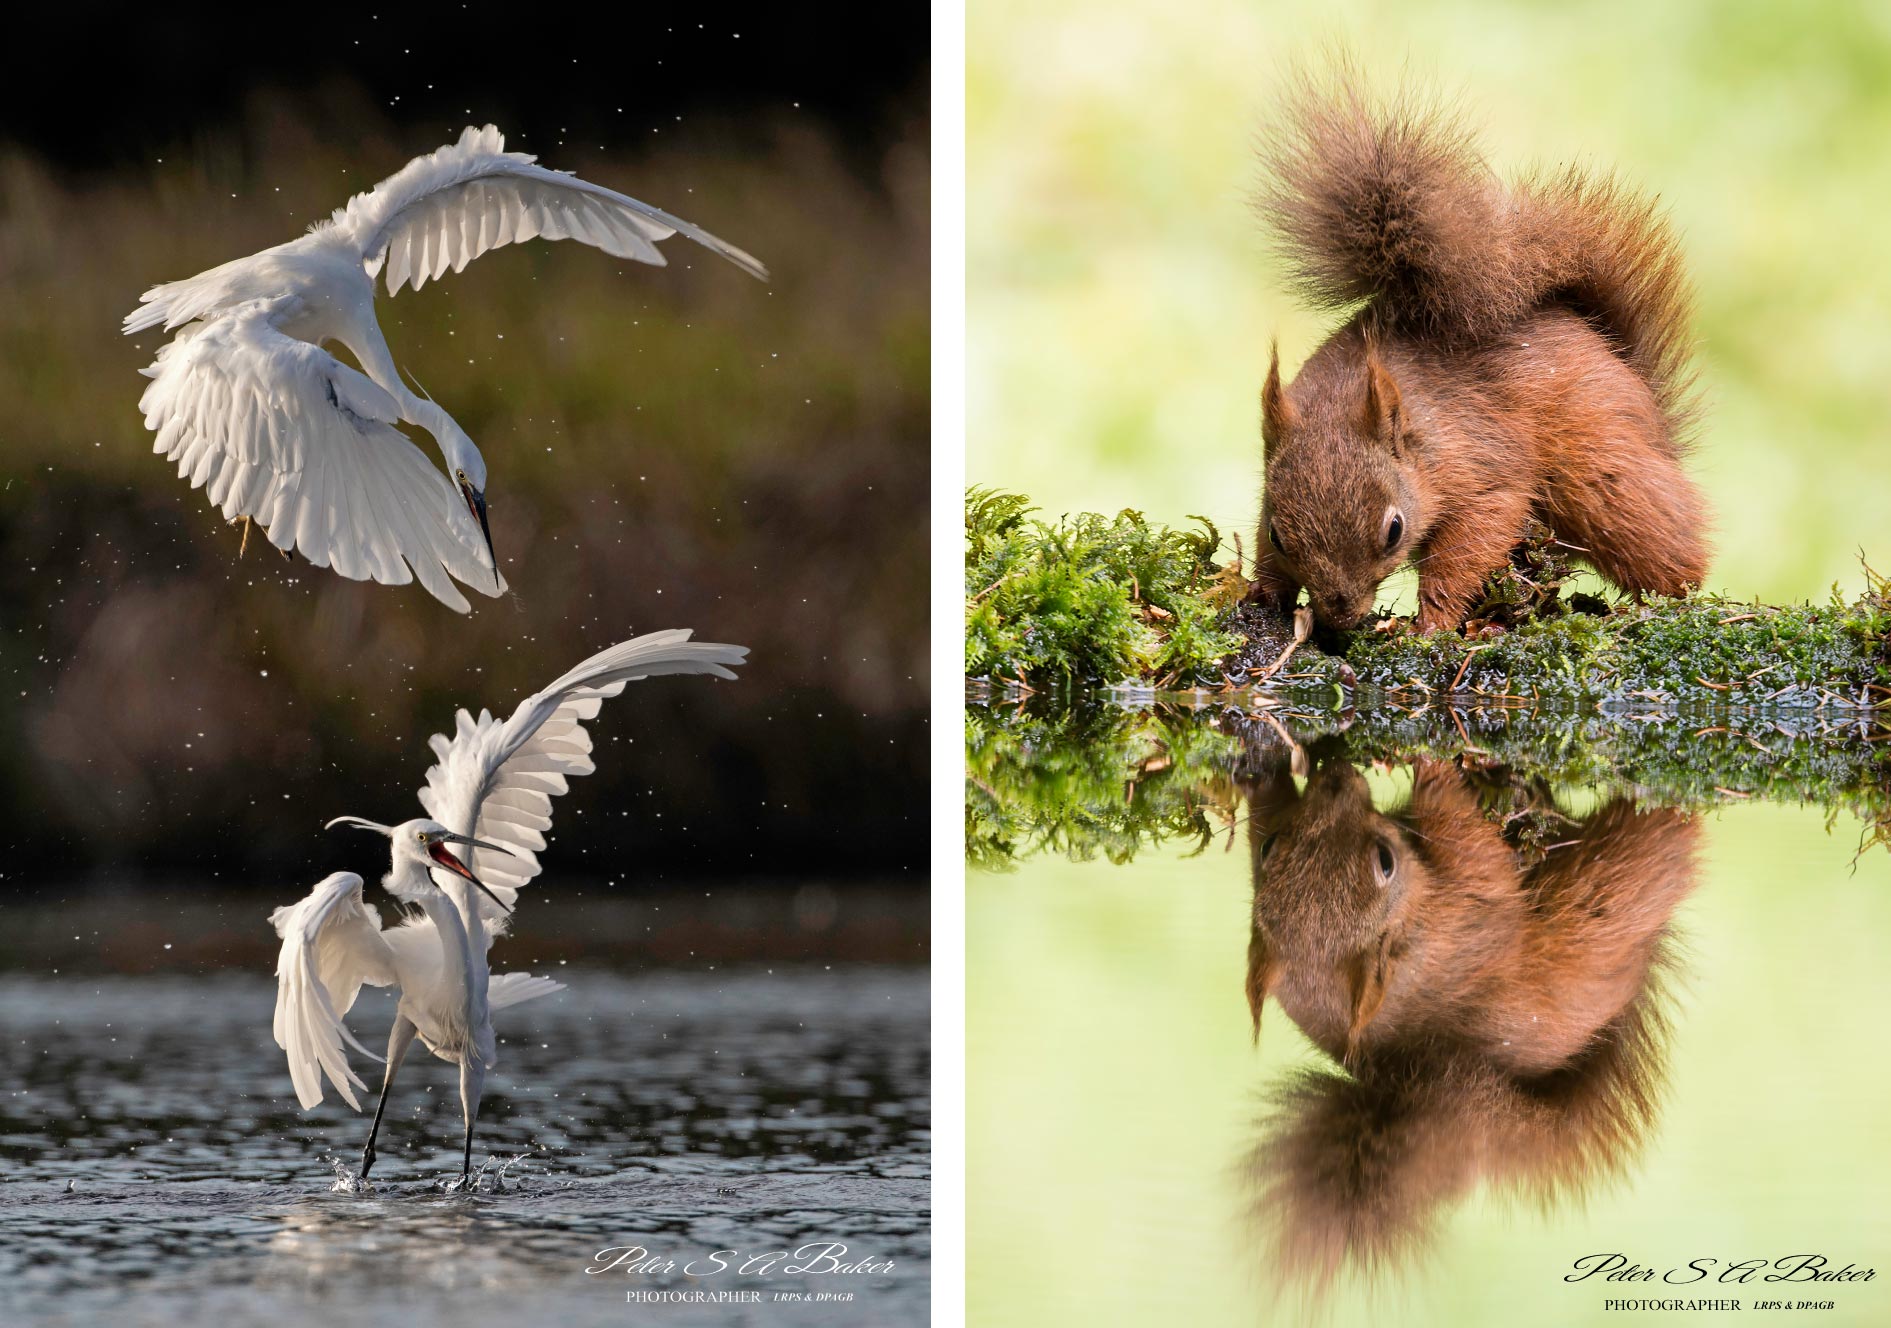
x: 1493, y: 996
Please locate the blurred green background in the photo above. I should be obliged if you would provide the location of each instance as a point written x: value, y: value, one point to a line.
x: 1122, y: 296
x: 1113, y: 1091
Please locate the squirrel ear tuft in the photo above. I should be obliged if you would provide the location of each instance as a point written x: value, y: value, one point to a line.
x: 1381, y: 416
x: 1263, y: 974
x: 1278, y: 417
x: 1367, y: 975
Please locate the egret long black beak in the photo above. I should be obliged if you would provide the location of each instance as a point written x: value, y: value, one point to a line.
x: 440, y: 853
x: 476, y: 504
x: 477, y: 843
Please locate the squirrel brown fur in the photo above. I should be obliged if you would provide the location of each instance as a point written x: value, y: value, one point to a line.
x: 1496, y: 1016
x: 1513, y: 352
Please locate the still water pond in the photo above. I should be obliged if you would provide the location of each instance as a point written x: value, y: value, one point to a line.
x: 1529, y: 991
x: 158, y: 1170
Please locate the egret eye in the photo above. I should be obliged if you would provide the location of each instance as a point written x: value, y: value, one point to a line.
x: 1386, y: 862
x: 1394, y: 529
x: 460, y: 475
x: 1273, y: 538
x: 420, y: 836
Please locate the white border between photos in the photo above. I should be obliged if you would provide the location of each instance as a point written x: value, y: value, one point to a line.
x: 947, y: 827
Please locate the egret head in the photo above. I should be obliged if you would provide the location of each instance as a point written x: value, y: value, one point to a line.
x: 468, y: 470
x: 421, y: 845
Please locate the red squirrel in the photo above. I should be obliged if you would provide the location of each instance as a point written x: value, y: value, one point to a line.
x: 1495, y: 1020
x: 1512, y: 353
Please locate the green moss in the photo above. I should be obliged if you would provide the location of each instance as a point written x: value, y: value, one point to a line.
x: 1096, y: 600
x: 1088, y: 782
x: 1698, y: 654
x: 1680, y: 702
x: 1088, y: 599
x: 1104, y: 780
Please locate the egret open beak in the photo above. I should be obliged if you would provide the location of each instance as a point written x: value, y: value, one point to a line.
x: 440, y: 853
x: 477, y: 843
x: 476, y: 504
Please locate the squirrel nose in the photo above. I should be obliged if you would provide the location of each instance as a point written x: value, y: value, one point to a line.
x: 1338, y: 616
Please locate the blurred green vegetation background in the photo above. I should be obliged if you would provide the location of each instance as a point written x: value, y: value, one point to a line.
x: 1121, y: 296
x: 680, y: 446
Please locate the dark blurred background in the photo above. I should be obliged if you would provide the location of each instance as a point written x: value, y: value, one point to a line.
x: 668, y: 447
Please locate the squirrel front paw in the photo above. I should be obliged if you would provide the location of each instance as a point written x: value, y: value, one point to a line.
x: 1266, y: 595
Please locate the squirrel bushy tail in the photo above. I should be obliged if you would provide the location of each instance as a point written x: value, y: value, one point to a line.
x: 1390, y: 206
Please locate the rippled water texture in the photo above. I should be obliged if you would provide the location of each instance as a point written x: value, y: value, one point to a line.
x: 159, y: 1170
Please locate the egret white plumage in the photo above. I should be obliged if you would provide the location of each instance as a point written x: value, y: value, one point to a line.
x: 490, y: 789
x: 283, y: 434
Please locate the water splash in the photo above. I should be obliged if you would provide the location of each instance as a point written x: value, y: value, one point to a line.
x: 347, y: 1180
x: 507, y: 1163
x: 496, y: 1168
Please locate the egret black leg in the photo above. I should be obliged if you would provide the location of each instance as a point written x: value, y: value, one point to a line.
x: 472, y: 1082
x: 398, y: 1040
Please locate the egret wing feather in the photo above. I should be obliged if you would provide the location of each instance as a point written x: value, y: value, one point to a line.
x: 279, y: 430
x: 331, y: 945
x: 495, y: 780
x: 171, y: 304
x: 512, y: 988
x: 447, y: 208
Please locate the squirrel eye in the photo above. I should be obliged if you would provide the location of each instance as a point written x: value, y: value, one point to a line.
x: 1394, y: 529
x: 1273, y: 538
x: 1267, y: 846
x: 1385, y: 860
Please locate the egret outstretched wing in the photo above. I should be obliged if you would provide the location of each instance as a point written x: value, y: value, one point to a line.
x: 495, y: 780
x: 513, y: 988
x: 280, y: 430
x: 331, y: 945
x: 452, y: 205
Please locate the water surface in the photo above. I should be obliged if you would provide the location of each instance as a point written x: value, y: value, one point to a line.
x: 1691, y: 1071
x: 159, y: 1170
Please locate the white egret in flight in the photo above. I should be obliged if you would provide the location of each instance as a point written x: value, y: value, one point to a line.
x: 281, y: 433
x: 490, y: 791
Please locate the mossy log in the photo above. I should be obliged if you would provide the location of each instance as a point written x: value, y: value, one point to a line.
x: 1090, y: 603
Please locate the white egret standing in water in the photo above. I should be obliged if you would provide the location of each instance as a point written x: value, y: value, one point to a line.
x: 283, y: 434
x: 491, y: 791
